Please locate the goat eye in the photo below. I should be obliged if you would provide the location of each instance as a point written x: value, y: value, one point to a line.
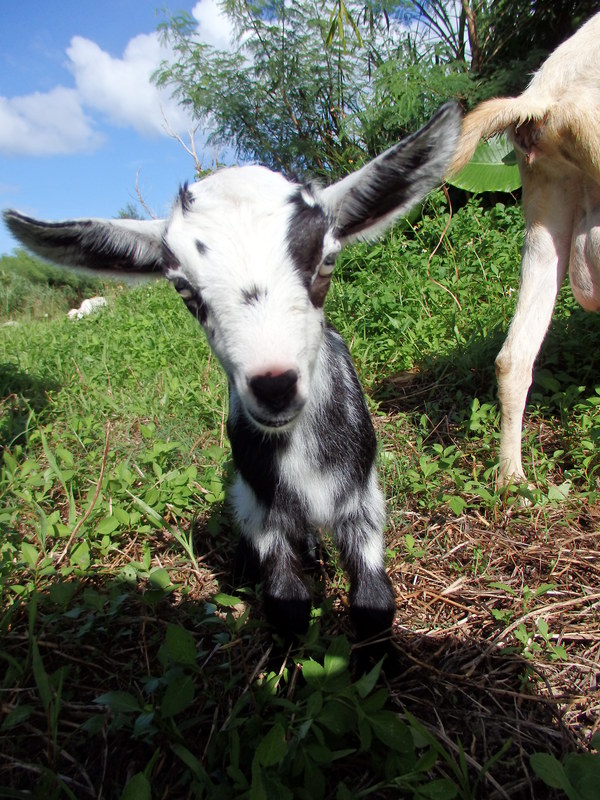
x: 327, y: 265
x: 192, y: 299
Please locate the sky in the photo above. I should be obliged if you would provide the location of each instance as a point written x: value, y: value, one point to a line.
x: 80, y: 122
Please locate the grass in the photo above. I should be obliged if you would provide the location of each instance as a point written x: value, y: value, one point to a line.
x: 132, y: 669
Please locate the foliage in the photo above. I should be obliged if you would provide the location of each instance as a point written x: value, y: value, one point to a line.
x: 577, y: 775
x: 313, y: 88
x: 500, y: 42
x: 493, y: 168
x: 300, y: 93
x: 518, y: 36
x: 122, y: 640
x: 405, y: 91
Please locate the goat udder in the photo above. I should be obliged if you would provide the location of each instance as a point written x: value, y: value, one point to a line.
x: 584, y: 266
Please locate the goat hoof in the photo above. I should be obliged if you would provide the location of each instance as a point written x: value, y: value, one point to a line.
x: 372, y: 607
x: 288, y: 615
x: 516, y: 491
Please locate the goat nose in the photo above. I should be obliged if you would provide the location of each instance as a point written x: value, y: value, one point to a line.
x: 275, y: 391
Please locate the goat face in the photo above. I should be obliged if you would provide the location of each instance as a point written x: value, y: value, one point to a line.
x: 252, y: 254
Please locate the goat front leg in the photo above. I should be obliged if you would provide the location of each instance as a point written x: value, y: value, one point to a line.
x: 548, y: 208
x: 267, y: 551
x: 271, y: 559
x: 360, y: 541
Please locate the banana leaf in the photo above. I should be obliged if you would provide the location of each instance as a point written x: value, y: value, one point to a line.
x: 493, y: 168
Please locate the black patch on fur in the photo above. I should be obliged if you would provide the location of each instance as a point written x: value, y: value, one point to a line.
x: 385, y: 189
x: 349, y: 441
x: 87, y: 243
x: 253, y: 295
x: 246, y: 565
x: 372, y: 603
x: 169, y: 257
x: 186, y: 198
x: 308, y: 226
x: 404, y: 172
x: 255, y: 455
x: 201, y: 247
x: 191, y: 297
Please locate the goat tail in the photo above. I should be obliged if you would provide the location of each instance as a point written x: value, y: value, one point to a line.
x: 488, y: 119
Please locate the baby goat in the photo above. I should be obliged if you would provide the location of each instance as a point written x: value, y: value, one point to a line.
x: 252, y: 254
x: 555, y: 127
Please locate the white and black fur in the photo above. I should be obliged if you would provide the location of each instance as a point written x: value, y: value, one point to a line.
x: 252, y: 255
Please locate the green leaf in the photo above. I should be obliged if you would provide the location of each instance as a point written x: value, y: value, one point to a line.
x: 180, y: 645
x: 440, y: 789
x: 190, y: 760
x: 457, y: 504
x: 80, y: 556
x: 312, y: 672
x: 559, y: 493
x: 337, y: 656
x: 29, y: 554
x: 272, y: 748
x: 226, y: 600
x: 118, y: 702
x: 151, y: 515
x: 366, y: 683
x: 392, y: 731
x: 337, y: 717
x: 178, y: 696
x: 159, y: 578
x: 583, y: 771
x: 138, y: 788
x: 551, y: 771
x: 107, y: 525
x: 314, y: 704
x: 493, y: 168
x: 15, y: 717
x: 62, y: 593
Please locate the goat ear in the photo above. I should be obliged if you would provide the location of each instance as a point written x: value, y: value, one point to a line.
x: 99, y: 244
x: 369, y: 200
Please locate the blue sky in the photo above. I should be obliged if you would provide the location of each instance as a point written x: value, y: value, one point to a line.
x: 79, y: 118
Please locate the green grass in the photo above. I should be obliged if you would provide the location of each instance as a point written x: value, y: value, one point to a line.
x: 31, y: 289
x: 131, y: 669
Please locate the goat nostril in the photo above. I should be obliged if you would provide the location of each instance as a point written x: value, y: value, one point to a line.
x: 275, y: 391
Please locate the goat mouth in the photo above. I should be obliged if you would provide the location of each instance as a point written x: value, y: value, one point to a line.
x: 270, y: 424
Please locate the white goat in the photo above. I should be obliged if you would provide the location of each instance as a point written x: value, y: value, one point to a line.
x: 555, y: 127
x: 87, y: 307
x: 252, y: 255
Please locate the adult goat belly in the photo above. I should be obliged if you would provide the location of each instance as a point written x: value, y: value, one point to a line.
x: 584, y: 263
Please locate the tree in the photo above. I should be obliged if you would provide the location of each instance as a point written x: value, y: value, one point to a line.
x: 295, y: 93
x: 316, y: 87
x: 501, y: 42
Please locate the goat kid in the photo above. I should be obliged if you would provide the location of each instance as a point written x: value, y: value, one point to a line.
x: 252, y: 254
x: 555, y: 129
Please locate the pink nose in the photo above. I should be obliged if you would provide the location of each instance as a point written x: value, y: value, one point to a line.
x: 275, y: 391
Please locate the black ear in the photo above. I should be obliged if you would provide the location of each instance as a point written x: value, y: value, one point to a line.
x: 369, y: 200
x: 99, y: 244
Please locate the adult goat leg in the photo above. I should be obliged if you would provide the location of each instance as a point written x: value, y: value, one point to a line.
x: 543, y: 268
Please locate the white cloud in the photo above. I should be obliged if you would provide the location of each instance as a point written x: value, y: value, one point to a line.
x: 107, y: 88
x: 214, y: 27
x: 120, y: 88
x: 46, y: 123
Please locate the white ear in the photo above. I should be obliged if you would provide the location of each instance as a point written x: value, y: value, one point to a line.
x: 369, y: 200
x: 102, y: 244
